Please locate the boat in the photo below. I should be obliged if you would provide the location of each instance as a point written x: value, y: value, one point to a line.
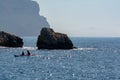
x: 24, y: 55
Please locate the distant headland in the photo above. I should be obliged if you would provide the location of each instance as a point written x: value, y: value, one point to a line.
x: 21, y: 17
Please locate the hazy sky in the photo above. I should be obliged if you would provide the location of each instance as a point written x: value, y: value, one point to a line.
x: 92, y: 18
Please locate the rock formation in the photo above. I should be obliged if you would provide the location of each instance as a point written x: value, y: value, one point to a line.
x: 9, y: 40
x: 21, y: 17
x: 48, y: 39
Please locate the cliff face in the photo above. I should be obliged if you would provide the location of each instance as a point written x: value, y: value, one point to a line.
x: 48, y: 39
x: 9, y: 40
x: 21, y: 17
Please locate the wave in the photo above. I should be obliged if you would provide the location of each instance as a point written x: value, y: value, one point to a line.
x: 29, y: 48
x: 24, y: 47
x: 85, y: 49
x: 1, y: 47
x: 35, y: 48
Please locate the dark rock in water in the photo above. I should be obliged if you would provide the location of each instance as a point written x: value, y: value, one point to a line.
x: 48, y: 39
x: 9, y: 40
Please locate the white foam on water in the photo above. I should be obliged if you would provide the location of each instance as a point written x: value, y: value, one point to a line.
x: 85, y: 49
x: 29, y: 48
x: 35, y: 48
x: 2, y: 47
x: 24, y: 47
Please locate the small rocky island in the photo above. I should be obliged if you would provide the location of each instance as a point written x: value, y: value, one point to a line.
x: 9, y: 40
x: 48, y: 39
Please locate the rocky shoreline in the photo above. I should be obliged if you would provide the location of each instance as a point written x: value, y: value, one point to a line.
x: 47, y: 39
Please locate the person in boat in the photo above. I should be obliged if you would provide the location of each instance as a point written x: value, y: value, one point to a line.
x: 22, y: 54
x: 28, y: 53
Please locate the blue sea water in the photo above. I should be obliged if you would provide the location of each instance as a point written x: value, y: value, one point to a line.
x: 95, y: 59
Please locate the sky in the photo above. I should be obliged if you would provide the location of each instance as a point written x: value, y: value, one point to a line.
x: 83, y: 18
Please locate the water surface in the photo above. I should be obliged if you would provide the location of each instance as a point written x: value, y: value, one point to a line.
x: 95, y: 59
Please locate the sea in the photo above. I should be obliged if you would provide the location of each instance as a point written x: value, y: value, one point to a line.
x: 94, y: 59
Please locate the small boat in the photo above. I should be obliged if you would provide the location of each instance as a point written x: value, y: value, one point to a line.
x: 24, y: 55
x: 17, y: 55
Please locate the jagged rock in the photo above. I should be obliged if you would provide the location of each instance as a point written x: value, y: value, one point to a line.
x: 48, y: 39
x: 9, y: 40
